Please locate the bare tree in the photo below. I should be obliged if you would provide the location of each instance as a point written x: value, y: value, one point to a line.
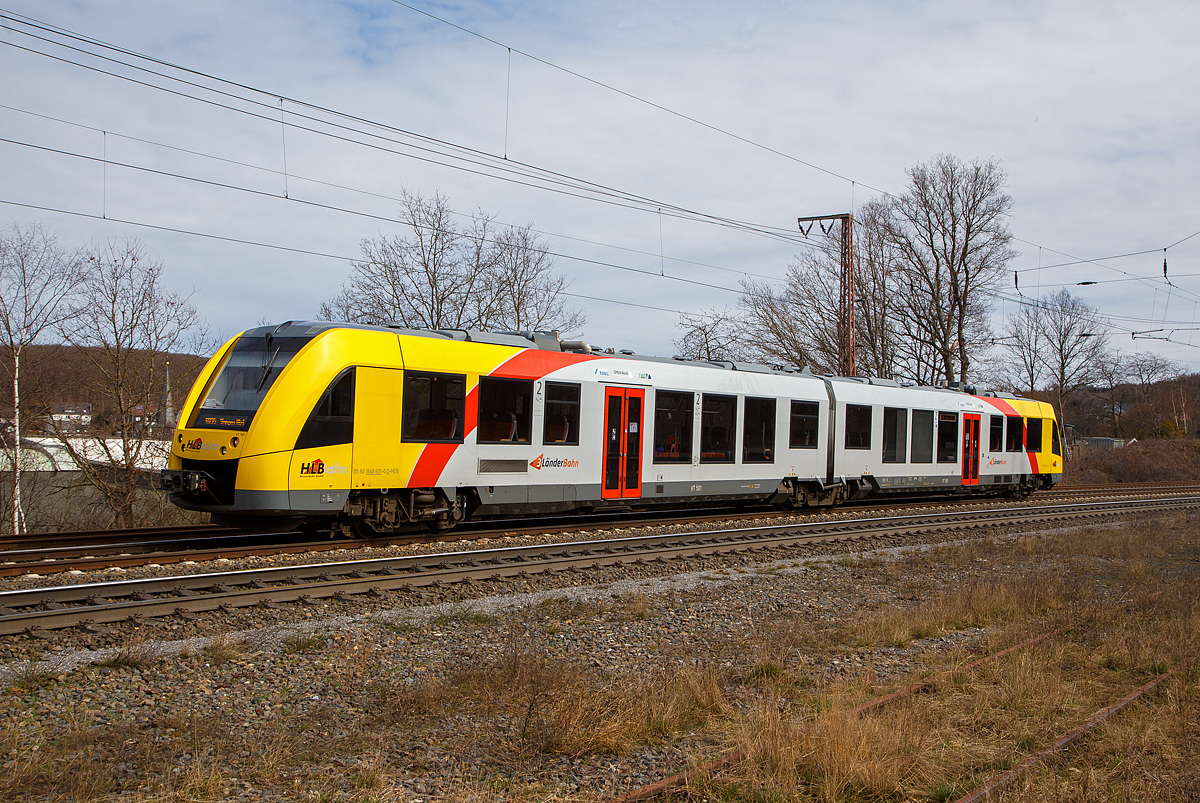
x: 127, y: 323
x: 951, y: 234
x: 714, y: 335
x: 1023, y: 342
x: 528, y: 293
x: 1073, y: 341
x: 439, y: 275
x: 37, y: 278
x: 791, y: 325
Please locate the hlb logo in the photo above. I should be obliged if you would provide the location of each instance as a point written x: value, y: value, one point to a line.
x: 198, y: 444
x: 318, y: 468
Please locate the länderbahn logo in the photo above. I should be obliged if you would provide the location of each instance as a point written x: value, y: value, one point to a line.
x: 554, y: 462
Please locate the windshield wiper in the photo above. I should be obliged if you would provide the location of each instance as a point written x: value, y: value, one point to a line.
x: 267, y: 365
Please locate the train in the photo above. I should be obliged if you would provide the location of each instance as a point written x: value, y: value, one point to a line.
x: 368, y: 430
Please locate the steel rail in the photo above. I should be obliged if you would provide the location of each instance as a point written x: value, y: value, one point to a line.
x: 1054, y: 751
x: 112, y: 601
x: 232, y: 544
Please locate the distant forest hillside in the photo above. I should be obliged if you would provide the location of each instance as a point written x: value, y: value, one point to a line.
x: 63, y: 375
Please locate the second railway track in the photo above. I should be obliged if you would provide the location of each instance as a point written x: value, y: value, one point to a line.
x: 43, y: 609
x: 54, y: 553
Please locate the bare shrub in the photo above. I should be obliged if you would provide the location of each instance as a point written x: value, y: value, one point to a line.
x: 225, y: 648
x: 135, y: 655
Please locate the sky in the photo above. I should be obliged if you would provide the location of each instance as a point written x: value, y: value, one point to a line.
x: 629, y: 133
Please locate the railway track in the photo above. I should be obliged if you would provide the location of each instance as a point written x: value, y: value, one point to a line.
x: 38, y: 610
x: 54, y: 553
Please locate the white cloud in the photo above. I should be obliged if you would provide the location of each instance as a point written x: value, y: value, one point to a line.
x: 1090, y: 108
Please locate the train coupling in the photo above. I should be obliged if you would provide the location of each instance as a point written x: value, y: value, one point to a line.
x: 180, y: 481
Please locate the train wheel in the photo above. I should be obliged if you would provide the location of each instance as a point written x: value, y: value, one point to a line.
x: 362, y: 529
x: 439, y: 526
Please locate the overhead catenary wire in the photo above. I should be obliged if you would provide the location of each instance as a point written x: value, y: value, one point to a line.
x: 383, y: 196
x: 483, y: 162
x: 678, y: 211
x: 735, y: 136
x: 277, y: 247
x: 330, y: 207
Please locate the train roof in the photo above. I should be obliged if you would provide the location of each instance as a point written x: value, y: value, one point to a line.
x: 552, y: 341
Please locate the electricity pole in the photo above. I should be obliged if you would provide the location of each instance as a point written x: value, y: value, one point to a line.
x: 845, y: 313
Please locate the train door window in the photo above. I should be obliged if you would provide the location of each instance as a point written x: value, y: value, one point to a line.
x: 758, y: 436
x: 1014, y: 440
x: 332, y: 420
x: 947, y: 438
x: 895, y: 435
x: 996, y: 435
x: 433, y: 407
x: 922, y: 436
x: 505, y: 410
x: 718, y: 428
x: 803, y: 432
x: 560, y: 426
x: 673, y: 416
x: 1033, y: 434
x: 858, y: 426
x: 1055, y: 442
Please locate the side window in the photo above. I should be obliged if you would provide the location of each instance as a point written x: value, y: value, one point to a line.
x: 758, y: 438
x: 560, y: 427
x: 947, y: 438
x: 673, y: 413
x: 1055, y: 442
x: 718, y: 428
x: 332, y: 420
x: 505, y: 410
x: 996, y: 441
x: 858, y: 426
x: 433, y: 407
x: 803, y: 432
x: 1015, y: 442
x: 1033, y: 434
x: 922, y: 436
x: 895, y: 435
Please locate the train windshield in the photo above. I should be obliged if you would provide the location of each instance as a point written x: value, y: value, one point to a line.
x: 243, y: 380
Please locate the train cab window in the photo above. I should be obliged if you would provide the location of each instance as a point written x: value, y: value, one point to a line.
x: 560, y: 427
x: 332, y: 420
x: 947, y: 438
x: 895, y: 435
x: 996, y: 435
x: 922, y: 436
x: 1055, y: 441
x: 718, y: 428
x: 238, y: 386
x: 673, y: 416
x: 505, y: 410
x: 1015, y: 440
x: 1033, y: 434
x: 858, y: 426
x: 433, y: 407
x: 803, y: 432
x: 758, y: 435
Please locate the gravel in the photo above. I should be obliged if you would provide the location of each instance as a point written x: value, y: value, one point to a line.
x: 306, y: 675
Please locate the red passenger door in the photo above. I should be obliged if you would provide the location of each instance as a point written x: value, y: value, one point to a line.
x: 970, y: 466
x: 622, y: 443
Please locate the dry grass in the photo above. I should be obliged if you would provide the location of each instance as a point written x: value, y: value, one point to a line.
x: 1122, y: 622
x: 1125, y: 599
x: 225, y: 648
